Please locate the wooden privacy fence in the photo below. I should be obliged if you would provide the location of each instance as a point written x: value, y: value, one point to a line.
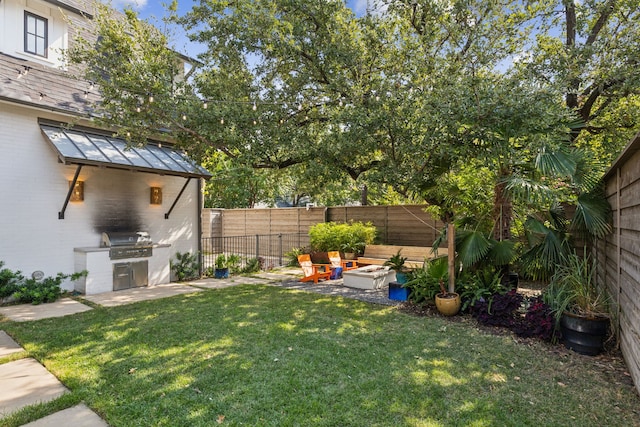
x: 407, y: 225
x: 618, y: 254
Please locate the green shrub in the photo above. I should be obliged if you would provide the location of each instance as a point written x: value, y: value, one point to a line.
x: 253, y: 265
x: 45, y: 290
x: 424, y: 282
x: 479, y: 286
x: 9, y: 281
x: 332, y: 236
x: 13, y: 283
x: 186, y: 266
x: 292, y: 256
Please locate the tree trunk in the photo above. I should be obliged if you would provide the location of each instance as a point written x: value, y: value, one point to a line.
x: 451, y: 253
x: 502, y: 212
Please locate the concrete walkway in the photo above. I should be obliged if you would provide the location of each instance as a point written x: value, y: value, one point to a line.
x: 26, y: 382
x: 128, y: 296
x: 27, y: 312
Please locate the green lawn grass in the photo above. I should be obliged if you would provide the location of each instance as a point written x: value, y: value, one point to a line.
x: 268, y: 356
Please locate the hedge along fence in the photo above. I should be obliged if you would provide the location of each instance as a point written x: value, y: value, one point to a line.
x: 406, y: 225
x: 618, y: 254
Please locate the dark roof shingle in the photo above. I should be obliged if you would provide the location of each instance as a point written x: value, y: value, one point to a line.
x: 45, y: 87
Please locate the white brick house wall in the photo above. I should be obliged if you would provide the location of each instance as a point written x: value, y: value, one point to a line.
x: 33, y: 188
x: 34, y: 184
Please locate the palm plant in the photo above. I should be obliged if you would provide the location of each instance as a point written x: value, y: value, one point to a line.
x: 552, y: 234
x: 558, y: 177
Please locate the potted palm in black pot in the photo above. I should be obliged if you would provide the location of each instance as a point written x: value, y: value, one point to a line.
x: 580, y: 305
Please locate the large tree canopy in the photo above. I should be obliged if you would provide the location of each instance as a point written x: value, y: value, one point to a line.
x: 402, y: 99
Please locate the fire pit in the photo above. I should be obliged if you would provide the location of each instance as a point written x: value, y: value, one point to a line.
x: 368, y: 277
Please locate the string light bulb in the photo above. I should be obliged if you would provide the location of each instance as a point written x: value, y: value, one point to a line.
x: 91, y: 85
x: 205, y: 105
x: 184, y: 117
x: 138, y: 109
x: 222, y: 121
x: 255, y: 107
x: 151, y: 99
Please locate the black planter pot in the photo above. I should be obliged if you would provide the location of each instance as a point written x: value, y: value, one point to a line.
x: 583, y: 335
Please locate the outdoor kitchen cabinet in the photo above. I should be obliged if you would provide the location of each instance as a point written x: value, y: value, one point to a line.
x: 101, y: 277
x: 133, y: 274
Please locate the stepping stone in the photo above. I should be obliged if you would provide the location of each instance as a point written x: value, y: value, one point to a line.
x: 76, y: 416
x: 26, y: 382
x: 278, y: 276
x: 8, y: 345
x: 26, y: 312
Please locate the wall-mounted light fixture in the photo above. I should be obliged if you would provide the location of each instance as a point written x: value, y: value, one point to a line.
x: 77, y: 195
x: 155, y: 196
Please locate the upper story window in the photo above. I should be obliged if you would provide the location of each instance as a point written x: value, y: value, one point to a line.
x: 35, y: 34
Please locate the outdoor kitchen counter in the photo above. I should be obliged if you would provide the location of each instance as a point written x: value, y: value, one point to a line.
x: 97, y: 262
x: 103, y: 249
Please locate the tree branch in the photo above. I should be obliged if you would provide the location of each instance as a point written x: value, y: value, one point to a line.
x: 607, y: 10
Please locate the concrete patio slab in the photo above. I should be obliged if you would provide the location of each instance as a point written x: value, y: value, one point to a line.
x: 8, y: 345
x: 26, y: 382
x: 281, y: 276
x: 76, y: 416
x: 26, y: 312
x: 211, y: 283
x: 128, y: 296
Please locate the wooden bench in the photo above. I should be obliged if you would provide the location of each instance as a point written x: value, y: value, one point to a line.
x: 378, y: 254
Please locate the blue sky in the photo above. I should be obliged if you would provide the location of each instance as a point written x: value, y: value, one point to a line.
x: 149, y: 8
x: 154, y: 11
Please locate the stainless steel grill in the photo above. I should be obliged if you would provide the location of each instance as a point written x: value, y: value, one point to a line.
x: 128, y: 244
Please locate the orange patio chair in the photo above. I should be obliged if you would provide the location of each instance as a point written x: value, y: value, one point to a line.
x: 337, y: 261
x: 312, y: 271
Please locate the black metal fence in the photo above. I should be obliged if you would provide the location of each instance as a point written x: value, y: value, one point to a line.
x: 270, y: 249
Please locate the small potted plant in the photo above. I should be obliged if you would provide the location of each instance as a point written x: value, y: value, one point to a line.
x: 447, y: 303
x: 396, y: 263
x: 224, y: 263
x: 580, y: 305
x: 352, y: 249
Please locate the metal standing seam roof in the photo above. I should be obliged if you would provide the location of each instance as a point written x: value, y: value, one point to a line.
x: 83, y: 147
